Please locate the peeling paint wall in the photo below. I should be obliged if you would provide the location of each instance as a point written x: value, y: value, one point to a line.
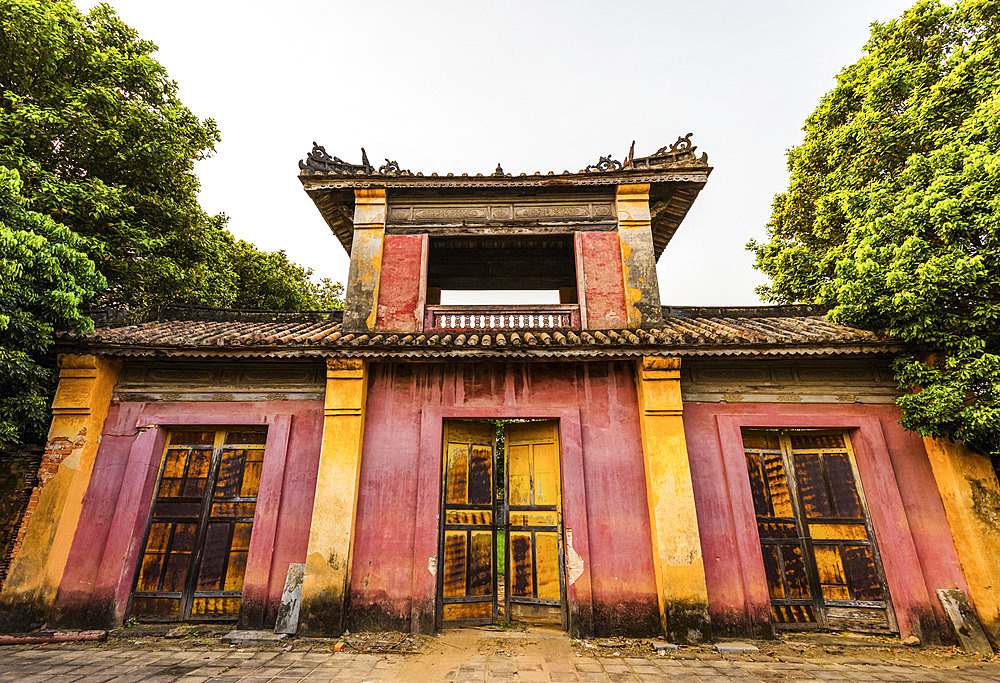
x: 403, y: 283
x: 971, y: 495
x: 361, y: 295
x: 105, y: 547
x: 642, y: 289
x: 388, y: 588
x: 680, y: 571
x: 600, y: 280
x: 79, y: 410
x: 334, y: 503
x: 911, y: 530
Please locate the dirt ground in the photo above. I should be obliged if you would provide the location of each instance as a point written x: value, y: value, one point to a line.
x: 195, y: 653
x: 514, y: 639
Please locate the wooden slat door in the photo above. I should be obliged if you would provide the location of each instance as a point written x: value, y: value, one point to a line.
x: 535, y: 585
x: 195, y: 552
x: 467, y: 575
x: 820, y: 556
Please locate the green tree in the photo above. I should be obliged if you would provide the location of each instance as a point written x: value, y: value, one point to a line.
x: 268, y: 280
x: 892, y: 212
x: 94, y: 126
x: 44, y: 279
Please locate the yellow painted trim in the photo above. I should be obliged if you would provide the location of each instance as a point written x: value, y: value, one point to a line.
x: 331, y: 532
x: 79, y: 409
x: 369, y: 226
x: 678, y: 566
x: 632, y: 209
x: 971, y: 496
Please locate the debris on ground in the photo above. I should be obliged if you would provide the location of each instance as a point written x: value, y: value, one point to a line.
x: 380, y: 642
x: 791, y: 648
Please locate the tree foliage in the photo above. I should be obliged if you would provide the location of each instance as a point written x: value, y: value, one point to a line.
x: 893, y: 211
x: 98, y: 198
x: 103, y: 144
x: 44, y: 278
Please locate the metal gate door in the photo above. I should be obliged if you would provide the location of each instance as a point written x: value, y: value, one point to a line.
x: 195, y: 552
x: 467, y: 578
x: 535, y: 585
x: 820, y: 557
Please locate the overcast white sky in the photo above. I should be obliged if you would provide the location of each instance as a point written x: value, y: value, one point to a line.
x: 459, y: 86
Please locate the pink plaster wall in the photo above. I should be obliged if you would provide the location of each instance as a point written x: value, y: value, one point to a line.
x: 105, y: 550
x: 911, y: 530
x: 599, y: 276
x: 393, y: 544
x: 402, y: 283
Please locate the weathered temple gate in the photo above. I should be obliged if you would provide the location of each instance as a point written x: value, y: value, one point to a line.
x: 671, y: 470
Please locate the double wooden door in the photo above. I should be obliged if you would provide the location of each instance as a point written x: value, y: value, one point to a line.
x: 195, y: 552
x: 518, y: 511
x: 820, y: 557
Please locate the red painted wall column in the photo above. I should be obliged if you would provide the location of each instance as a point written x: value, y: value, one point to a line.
x: 599, y: 280
x: 403, y: 285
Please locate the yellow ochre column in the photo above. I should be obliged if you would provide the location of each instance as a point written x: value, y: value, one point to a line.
x: 361, y: 297
x: 971, y: 496
x: 635, y: 238
x: 677, y: 560
x: 331, y: 533
x: 79, y: 409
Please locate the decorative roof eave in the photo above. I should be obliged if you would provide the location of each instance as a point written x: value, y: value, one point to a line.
x: 331, y: 181
x: 676, y: 159
x: 480, y: 354
x: 674, y: 175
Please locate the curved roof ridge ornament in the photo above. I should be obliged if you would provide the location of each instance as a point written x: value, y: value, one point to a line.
x: 392, y: 168
x: 604, y: 164
x: 320, y: 161
x: 679, y: 154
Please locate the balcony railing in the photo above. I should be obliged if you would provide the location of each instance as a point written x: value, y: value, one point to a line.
x: 485, y: 318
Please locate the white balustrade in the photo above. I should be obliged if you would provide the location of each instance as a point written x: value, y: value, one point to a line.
x: 474, y: 318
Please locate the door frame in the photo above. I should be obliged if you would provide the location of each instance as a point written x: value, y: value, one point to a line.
x: 560, y: 539
x: 189, y: 592
x: 808, y: 544
x: 119, y: 564
x: 576, y: 538
x: 442, y: 523
x: 907, y: 586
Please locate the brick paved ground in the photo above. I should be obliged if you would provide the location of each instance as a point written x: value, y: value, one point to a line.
x: 460, y: 657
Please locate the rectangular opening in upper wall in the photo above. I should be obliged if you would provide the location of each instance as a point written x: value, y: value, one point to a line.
x: 500, y: 297
x: 502, y: 263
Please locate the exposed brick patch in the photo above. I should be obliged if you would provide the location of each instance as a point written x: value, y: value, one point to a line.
x: 18, y: 478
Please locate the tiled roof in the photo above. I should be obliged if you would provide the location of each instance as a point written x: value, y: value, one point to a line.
x: 685, y: 331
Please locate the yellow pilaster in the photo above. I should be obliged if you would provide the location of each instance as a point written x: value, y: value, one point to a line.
x: 971, y: 496
x: 331, y: 533
x: 79, y: 409
x: 677, y: 561
x: 361, y: 298
x: 635, y: 238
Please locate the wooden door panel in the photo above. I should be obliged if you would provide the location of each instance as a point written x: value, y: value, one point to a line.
x: 548, y: 586
x: 804, y: 487
x: 534, y: 522
x: 455, y: 563
x: 467, y: 583
x: 195, y: 553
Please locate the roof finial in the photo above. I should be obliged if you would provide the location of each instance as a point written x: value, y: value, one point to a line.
x: 499, y: 171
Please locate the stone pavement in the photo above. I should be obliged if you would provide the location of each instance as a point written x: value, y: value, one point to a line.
x: 460, y: 656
